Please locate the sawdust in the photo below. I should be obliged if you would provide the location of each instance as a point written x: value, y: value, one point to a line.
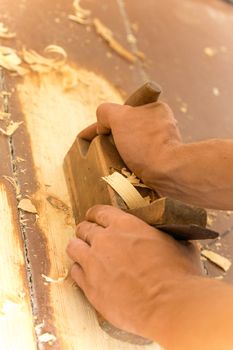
x: 26, y: 205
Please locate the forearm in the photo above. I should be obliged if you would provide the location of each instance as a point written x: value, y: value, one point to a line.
x: 198, y: 173
x: 198, y: 315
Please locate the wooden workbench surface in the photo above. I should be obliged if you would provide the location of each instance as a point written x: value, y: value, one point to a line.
x: 39, y: 307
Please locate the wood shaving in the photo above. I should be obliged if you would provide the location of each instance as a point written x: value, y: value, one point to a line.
x: 13, y: 183
x: 132, y: 178
x: 209, y: 51
x: 47, y: 338
x: 26, y: 205
x: 184, y: 108
x: 4, y: 115
x: 41, y: 64
x: 11, y: 61
x: 107, y: 35
x: 216, y: 91
x: 126, y: 190
x: 82, y: 16
x: 217, y: 259
x: 56, y: 280
x: 140, y: 55
x: 4, y: 32
x: 11, y: 128
x: 38, y: 328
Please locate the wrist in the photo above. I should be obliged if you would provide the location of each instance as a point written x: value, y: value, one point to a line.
x: 190, y: 309
x: 162, y: 169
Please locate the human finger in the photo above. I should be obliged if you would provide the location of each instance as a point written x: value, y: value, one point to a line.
x: 77, y: 274
x: 106, y: 114
x: 78, y: 251
x: 87, y: 231
x: 89, y: 133
x: 103, y: 215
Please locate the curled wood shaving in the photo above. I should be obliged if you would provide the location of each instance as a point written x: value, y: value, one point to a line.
x: 82, y: 15
x: 132, y: 178
x: 55, y: 280
x: 26, y: 205
x: 126, y: 190
x: 217, y: 259
x: 47, y: 338
x: 41, y: 64
x: 11, y: 61
x: 11, y: 128
x: 107, y: 35
x: 4, y: 32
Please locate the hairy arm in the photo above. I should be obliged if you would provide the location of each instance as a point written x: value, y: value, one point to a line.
x: 149, y: 142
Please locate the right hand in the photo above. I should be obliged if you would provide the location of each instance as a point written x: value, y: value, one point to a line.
x: 144, y: 135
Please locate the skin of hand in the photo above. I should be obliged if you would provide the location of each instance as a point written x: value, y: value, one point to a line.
x: 143, y: 281
x: 149, y: 142
x: 116, y: 259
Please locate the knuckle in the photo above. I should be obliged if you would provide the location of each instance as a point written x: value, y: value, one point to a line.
x: 101, y: 109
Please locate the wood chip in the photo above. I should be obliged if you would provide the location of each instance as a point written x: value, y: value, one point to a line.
x: 216, y: 91
x: 4, y: 32
x: 4, y: 115
x: 26, y: 205
x: 47, y: 338
x: 107, y: 35
x: 126, y: 190
x: 82, y: 16
x: 11, y: 61
x: 11, y: 128
x: 55, y: 280
x: 209, y: 51
x: 217, y: 259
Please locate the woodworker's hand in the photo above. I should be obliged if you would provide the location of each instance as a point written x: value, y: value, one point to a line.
x: 149, y: 142
x: 144, y: 136
x: 145, y: 282
x: 131, y: 272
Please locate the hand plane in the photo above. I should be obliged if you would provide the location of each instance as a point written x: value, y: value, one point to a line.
x: 87, y: 162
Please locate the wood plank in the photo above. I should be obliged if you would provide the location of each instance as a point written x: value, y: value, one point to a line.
x: 16, y: 319
x: 52, y: 119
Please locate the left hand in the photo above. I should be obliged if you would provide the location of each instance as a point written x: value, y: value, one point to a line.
x: 131, y: 272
